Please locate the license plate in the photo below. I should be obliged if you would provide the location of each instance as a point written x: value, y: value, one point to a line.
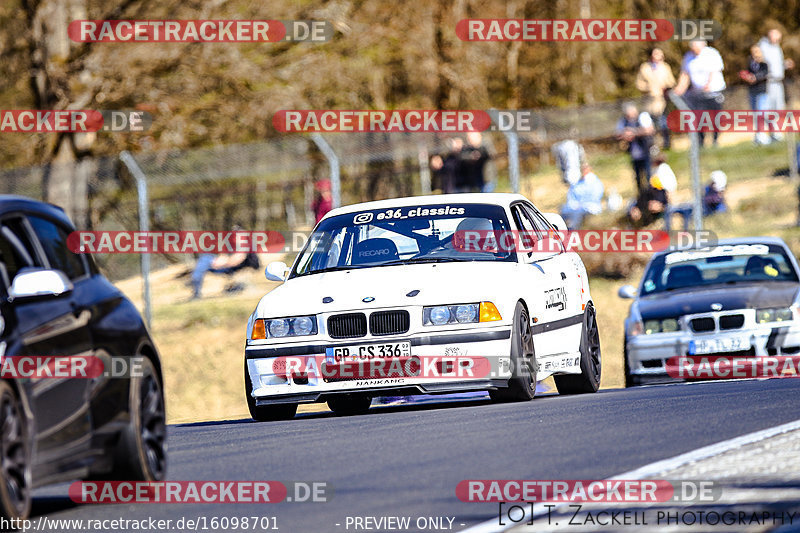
x: 349, y: 354
x: 721, y: 345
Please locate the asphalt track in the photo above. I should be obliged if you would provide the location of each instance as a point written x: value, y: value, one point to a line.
x: 407, y: 460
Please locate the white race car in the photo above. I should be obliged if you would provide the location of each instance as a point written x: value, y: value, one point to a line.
x: 418, y: 296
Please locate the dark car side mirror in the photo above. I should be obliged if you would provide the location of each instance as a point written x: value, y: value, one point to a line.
x: 34, y: 282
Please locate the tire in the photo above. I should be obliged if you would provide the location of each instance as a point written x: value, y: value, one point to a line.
x: 266, y: 413
x: 15, y: 485
x: 589, y: 378
x: 349, y: 404
x: 630, y: 379
x: 142, y: 453
x: 522, y: 384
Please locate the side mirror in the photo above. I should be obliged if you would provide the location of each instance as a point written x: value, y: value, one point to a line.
x: 627, y: 292
x: 33, y: 282
x: 556, y: 220
x: 276, y: 271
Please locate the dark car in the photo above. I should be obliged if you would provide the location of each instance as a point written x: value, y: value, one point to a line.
x: 736, y: 299
x: 55, y: 304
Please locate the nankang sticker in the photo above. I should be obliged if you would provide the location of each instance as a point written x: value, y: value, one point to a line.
x: 727, y: 250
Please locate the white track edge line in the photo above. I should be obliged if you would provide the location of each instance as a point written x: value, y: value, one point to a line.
x: 648, y: 470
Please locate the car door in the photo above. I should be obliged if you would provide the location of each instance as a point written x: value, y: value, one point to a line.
x: 543, y: 283
x: 52, y: 325
x: 570, y: 296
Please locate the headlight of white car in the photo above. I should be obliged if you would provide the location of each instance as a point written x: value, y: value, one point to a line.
x: 440, y: 315
x: 276, y: 328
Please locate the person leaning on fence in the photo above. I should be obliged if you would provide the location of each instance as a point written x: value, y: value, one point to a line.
x: 701, y: 80
x: 770, y: 46
x: 636, y: 130
x: 585, y: 197
x: 756, y: 78
x: 569, y: 156
x: 654, y: 79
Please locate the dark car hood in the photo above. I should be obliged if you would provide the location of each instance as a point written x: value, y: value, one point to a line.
x: 689, y: 301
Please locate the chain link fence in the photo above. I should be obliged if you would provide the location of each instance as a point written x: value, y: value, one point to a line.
x: 269, y: 185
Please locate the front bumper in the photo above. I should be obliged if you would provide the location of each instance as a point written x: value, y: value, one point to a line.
x: 270, y: 387
x: 647, y: 354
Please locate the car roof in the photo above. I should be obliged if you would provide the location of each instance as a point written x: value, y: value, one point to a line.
x: 731, y: 241
x: 495, y: 198
x: 11, y: 203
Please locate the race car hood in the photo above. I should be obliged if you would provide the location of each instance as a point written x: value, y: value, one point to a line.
x: 739, y: 296
x: 390, y: 286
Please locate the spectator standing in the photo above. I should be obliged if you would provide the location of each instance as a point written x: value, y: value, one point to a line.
x: 773, y: 55
x: 756, y: 77
x: 323, y: 199
x: 569, y: 156
x: 654, y: 79
x: 636, y: 129
x: 448, y: 169
x: 701, y: 80
x: 585, y: 197
x: 474, y: 157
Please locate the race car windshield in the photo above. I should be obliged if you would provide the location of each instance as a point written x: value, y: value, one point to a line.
x: 403, y: 235
x: 727, y: 264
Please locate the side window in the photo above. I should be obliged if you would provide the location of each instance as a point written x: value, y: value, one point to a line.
x: 16, y: 250
x: 53, y: 239
x: 528, y: 232
x: 541, y: 223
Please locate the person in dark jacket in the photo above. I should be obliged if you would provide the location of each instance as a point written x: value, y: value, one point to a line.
x: 756, y: 77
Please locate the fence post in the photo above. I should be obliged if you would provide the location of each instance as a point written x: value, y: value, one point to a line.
x: 333, y: 162
x: 512, y: 142
x: 694, y: 165
x: 144, y: 225
x: 424, y: 169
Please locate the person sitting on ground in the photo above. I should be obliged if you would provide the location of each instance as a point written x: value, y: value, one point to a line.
x: 585, y: 197
x: 221, y: 264
x: 714, y: 196
x: 650, y: 205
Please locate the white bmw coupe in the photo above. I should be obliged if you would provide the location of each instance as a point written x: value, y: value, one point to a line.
x: 423, y: 295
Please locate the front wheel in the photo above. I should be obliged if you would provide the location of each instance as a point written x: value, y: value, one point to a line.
x: 522, y: 385
x: 15, y: 464
x: 589, y: 378
x: 142, y: 453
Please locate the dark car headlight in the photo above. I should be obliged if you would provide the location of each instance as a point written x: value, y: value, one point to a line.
x: 774, y: 314
x: 666, y: 325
